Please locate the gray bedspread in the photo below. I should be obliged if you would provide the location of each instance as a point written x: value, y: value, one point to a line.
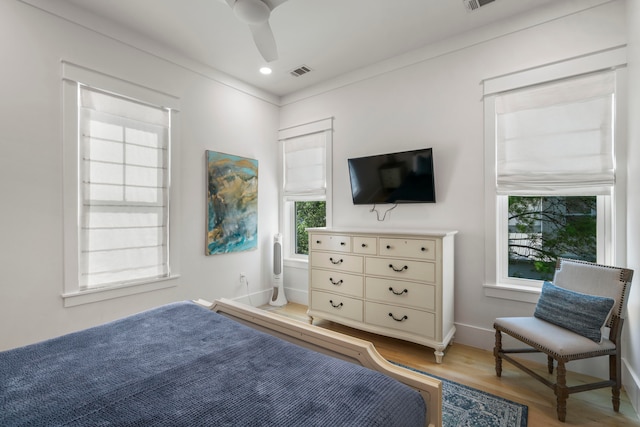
x: 183, y: 365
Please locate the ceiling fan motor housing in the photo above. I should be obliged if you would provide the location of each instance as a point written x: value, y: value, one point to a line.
x: 251, y: 12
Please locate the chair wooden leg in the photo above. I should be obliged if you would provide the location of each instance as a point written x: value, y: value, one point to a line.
x: 496, y: 353
x: 615, y: 398
x: 550, y: 364
x: 562, y: 393
x: 615, y: 374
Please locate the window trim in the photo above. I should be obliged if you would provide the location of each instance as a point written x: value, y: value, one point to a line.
x: 71, y: 76
x: 287, y: 213
x: 614, y: 206
x: 604, y: 242
x: 290, y: 226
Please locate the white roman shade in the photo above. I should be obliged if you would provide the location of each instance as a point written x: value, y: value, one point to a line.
x: 305, y: 167
x: 124, y: 190
x: 557, y: 138
x: 306, y: 154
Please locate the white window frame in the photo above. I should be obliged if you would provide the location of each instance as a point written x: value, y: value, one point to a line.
x: 611, y: 213
x: 604, y: 231
x: 289, y: 235
x: 72, y: 76
x: 287, y: 205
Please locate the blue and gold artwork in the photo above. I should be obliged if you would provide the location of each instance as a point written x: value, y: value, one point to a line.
x: 232, y: 203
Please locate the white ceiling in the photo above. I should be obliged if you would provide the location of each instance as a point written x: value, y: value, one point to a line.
x: 332, y: 37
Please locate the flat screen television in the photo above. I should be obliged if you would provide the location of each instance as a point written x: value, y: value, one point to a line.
x: 402, y: 177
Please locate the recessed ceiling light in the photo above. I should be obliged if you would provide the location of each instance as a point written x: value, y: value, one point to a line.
x: 265, y: 70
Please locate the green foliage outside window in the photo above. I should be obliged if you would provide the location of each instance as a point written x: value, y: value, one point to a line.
x: 541, y: 229
x: 308, y: 214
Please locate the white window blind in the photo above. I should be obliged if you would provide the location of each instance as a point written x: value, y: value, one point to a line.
x: 557, y: 138
x: 124, y: 190
x: 305, y: 165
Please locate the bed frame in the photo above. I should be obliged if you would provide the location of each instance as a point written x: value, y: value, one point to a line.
x: 334, y: 344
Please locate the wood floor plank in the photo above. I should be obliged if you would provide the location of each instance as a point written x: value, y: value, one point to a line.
x: 476, y: 368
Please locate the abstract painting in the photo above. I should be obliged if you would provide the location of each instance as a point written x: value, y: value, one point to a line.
x: 232, y: 203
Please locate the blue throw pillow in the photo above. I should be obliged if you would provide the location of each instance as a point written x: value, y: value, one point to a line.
x: 580, y: 313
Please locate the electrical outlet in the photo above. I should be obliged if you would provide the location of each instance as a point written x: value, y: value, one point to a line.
x: 243, y: 277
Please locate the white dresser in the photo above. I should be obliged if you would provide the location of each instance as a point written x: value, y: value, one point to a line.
x: 398, y: 284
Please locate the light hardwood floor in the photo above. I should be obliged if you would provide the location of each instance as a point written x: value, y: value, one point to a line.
x: 476, y: 368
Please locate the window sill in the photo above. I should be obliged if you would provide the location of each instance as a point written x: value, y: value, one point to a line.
x: 520, y: 293
x: 302, y: 263
x: 73, y: 299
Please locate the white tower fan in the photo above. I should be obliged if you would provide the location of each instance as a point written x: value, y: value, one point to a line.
x: 277, y: 298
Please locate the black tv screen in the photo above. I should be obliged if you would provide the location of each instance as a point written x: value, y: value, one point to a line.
x: 402, y: 177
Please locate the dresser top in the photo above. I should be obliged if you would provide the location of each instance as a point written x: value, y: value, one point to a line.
x: 385, y: 231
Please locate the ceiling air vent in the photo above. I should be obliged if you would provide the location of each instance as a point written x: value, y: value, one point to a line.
x: 475, y: 4
x: 301, y: 70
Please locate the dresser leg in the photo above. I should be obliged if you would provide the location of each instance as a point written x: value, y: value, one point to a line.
x: 439, y: 355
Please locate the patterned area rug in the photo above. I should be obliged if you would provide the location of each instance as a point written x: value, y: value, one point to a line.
x: 467, y: 406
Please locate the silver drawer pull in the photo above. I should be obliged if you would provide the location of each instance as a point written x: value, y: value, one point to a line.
x: 405, y: 291
x: 336, y: 305
x: 402, y: 319
x: 339, y: 282
x: 335, y: 262
x: 397, y: 270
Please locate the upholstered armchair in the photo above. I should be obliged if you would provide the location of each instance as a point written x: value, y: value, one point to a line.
x: 569, y: 324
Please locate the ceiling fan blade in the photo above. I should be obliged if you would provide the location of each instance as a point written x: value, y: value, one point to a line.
x: 272, y: 3
x: 255, y: 13
x: 265, y: 41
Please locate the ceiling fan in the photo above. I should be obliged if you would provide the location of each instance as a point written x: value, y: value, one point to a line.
x: 255, y: 13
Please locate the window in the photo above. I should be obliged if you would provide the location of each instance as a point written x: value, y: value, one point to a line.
x: 306, y: 154
x: 118, y: 149
x: 553, y: 141
x: 543, y: 228
x: 307, y: 215
x: 550, y: 138
x: 124, y: 190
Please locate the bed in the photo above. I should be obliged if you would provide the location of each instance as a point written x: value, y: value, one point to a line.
x: 200, y: 364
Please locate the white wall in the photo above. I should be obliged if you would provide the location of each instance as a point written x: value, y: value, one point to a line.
x: 437, y: 102
x: 213, y: 116
x: 632, y: 323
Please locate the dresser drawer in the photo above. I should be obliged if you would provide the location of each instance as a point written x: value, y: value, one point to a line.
x: 338, y: 305
x: 408, y: 248
x: 416, y: 322
x: 365, y: 245
x: 337, y: 281
x: 418, y: 295
x: 337, y: 261
x: 330, y: 242
x: 401, y: 269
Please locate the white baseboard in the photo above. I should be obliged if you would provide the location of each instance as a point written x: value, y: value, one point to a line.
x: 474, y: 336
x: 296, y: 295
x: 631, y: 383
x: 255, y: 299
x: 262, y: 297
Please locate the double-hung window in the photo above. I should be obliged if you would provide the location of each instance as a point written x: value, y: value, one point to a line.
x: 554, y: 175
x: 117, y: 232
x: 306, y: 158
x: 124, y: 190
